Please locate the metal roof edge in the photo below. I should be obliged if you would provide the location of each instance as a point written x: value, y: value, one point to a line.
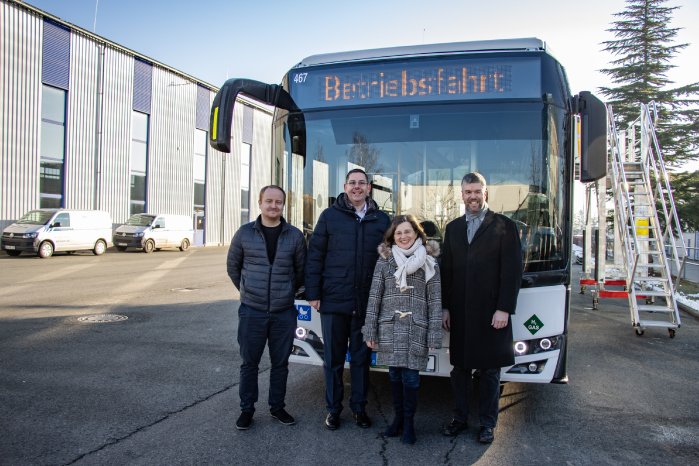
x: 105, y: 41
x: 499, y: 45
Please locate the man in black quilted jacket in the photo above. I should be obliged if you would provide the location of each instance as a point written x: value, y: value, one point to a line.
x: 342, y: 254
x: 265, y: 262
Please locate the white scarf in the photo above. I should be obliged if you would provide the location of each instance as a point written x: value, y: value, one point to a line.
x: 409, y: 261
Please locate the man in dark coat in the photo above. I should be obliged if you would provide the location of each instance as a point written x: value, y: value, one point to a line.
x: 481, y: 276
x: 342, y: 254
x: 265, y: 262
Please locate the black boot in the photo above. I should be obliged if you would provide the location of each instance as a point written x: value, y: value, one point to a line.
x: 409, y: 406
x: 396, y: 426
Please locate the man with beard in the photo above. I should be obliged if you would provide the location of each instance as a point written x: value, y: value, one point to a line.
x: 481, y: 276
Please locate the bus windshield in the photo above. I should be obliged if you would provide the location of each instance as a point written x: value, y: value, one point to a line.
x: 417, y: 155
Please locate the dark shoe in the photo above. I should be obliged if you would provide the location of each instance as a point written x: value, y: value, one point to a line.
x: 362, y: 420
x: 486, y: 435
x: 282, y: 416
x: 395, y: 429
x: 244, y: 421
x: 332, y: 421
x: 454, y: 428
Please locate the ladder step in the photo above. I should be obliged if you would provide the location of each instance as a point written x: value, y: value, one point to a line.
x: 651, y: 308
x: 644, y: 293
x: 649, y: 279
x: 656, y: 323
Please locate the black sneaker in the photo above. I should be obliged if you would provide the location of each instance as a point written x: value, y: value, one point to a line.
x: 454, y: 428
x: 282, y: 416
x: 332, y: 421
x: 244, y: 421
x: 486, y: 435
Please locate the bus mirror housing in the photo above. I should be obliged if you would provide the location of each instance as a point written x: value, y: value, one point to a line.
x: 222, y: 108
x: 593, y: 136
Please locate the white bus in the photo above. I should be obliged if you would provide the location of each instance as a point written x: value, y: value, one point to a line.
x: 417, y: 119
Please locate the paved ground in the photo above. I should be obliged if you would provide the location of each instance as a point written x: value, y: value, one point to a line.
x: 161, y: 386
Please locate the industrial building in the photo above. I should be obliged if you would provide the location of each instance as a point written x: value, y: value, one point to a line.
x: 88, y: 124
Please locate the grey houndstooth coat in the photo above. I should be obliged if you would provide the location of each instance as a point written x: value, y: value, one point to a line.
x: 404, y: 341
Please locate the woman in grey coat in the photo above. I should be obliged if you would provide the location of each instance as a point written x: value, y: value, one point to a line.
x: 404, y: 315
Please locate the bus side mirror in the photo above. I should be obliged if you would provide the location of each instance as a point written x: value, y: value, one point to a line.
x: 222, y: 108
x: 593, y: 135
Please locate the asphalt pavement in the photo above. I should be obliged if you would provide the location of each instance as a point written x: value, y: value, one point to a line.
x: 160, y: 387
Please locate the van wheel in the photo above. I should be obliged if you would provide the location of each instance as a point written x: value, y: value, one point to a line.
x: 100, y: 248
x: 121, y: 248
x: 184, y: 245
x: 13, y: 253
x: 149, y: 246
x: 45, y: 249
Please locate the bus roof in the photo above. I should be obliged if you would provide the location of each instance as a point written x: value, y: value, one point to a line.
x: 484, y: 46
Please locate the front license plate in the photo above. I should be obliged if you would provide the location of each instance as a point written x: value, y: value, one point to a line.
x: 121, y: 244
x: 9, y: 247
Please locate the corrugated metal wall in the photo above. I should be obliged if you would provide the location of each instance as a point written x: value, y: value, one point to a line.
x: 171, y: 145
x: 115, y: 135
x: 80, y: 124
x: 261, y: 159
x: 20, y: 111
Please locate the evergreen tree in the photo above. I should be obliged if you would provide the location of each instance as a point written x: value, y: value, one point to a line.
x: 643, y: 47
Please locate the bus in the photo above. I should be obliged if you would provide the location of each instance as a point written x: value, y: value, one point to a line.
x: 416, y: 119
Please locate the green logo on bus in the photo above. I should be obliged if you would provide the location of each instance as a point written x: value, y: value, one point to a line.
x: 533, y: 324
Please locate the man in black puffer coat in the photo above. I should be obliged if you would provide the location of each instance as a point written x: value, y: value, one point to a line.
x: 265, y: 262
x: 342, y: 255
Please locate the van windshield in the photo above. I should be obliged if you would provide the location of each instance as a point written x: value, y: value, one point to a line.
x: 37, y: 217
x: 140, y: 220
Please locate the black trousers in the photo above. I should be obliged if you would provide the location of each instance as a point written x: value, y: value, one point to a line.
x: 340, y: 333
x: 255, y: 330
x: 488, y: 394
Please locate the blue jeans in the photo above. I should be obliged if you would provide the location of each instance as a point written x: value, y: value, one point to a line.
x: 409, y: 377
x: 339, y: 332
x: 488, y: 394
x: 255, y: 330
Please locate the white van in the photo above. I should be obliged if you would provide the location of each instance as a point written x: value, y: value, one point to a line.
x: 44, y: 231
x: 155, y: 231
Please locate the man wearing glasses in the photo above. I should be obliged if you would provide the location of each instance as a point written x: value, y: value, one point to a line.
x: 341, y: 257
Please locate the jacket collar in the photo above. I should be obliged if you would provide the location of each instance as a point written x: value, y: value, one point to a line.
x: 343, y: 204
x: 258, y: 223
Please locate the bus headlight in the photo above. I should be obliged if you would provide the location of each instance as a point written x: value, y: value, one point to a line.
x: 545, y: 344
x: 520, y: 347
x: 301, y: 333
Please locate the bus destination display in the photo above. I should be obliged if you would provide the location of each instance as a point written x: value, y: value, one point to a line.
x: 463, y: 79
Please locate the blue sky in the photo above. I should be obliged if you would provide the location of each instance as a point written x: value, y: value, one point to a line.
x: 218, y: 39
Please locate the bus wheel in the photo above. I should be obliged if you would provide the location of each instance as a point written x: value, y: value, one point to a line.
x: 184, y: 245
x: 149, y: 246
x: 100, y: 248
x: 45, y: 249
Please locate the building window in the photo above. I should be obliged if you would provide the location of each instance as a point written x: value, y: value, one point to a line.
x: 53, y: 137
x: 139, y: 162
x: 245, y: 152
x: 200, y: 138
